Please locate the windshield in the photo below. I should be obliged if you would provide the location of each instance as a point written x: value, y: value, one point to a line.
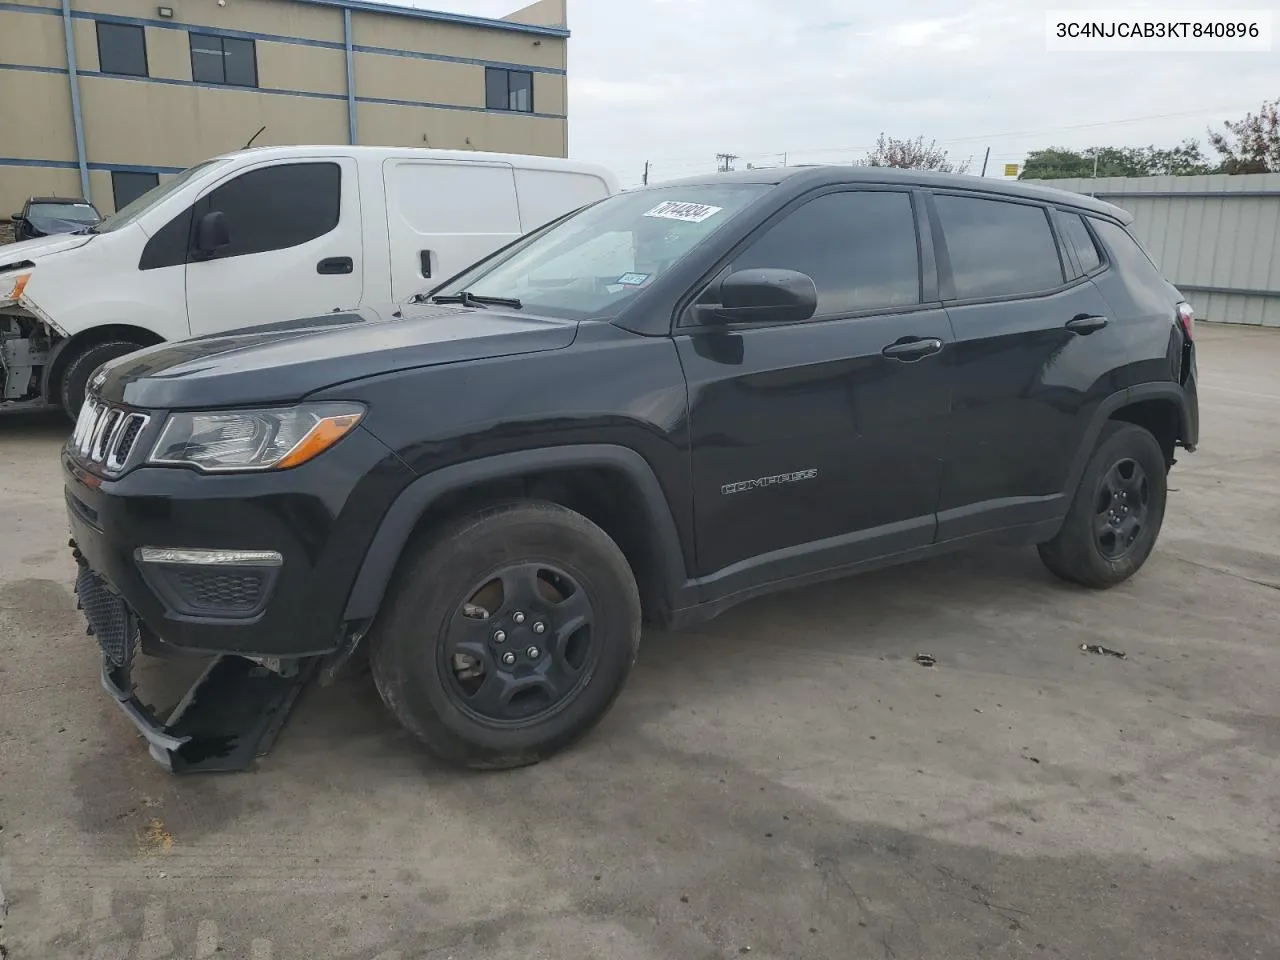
x: 126, y: 215
x: 600, y: 257
x: 70, y: 212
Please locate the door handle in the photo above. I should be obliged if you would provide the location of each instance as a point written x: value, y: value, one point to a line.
x: 910, y: 349
x: 1085, y: 324
x: 335, y: 265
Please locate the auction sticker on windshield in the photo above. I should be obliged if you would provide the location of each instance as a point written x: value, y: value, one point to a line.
x: 688, y: 212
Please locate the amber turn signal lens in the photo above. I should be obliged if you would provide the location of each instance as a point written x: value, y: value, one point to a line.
x: 319, y: 438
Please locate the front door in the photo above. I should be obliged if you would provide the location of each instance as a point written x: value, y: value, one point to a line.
x: 820, y: 442
x: 1035, y: 354
x: 295, y: 246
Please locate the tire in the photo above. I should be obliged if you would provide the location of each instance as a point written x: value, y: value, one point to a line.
x: 1128, y: 459
x: 76, y: 374
x: 414, y: 658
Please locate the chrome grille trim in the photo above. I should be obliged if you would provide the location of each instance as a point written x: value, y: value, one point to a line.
x: 99, y: 431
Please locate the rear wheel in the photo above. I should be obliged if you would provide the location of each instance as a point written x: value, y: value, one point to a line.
x: 507, y: 635
x: 1117, y: 512
x: 78, y: 370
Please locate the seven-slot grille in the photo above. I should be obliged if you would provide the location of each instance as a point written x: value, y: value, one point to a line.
x: 106, y: 434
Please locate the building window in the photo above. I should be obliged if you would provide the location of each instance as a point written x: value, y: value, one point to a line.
x: 128, y: 185
x: 223, y: 60
x: 508, y: 89
x: 122, y: 50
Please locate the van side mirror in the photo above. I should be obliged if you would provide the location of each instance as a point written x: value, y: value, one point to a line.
x: 212, y: 234
x: 16, y: 218
x: 764, y: 295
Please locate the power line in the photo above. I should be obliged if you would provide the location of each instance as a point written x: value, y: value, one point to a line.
x: 687, y: 159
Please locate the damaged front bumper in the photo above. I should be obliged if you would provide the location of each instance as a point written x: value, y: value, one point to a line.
x: 229, y: 716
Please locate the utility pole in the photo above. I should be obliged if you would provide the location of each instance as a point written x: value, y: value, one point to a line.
x: 645, y: 179
x: 984, y: 161
x: 724, y: 162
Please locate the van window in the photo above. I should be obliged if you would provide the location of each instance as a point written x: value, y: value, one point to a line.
x: 126, y: 215
x: 859, y: 248
x: 998, y: 249
x: 272, y: 208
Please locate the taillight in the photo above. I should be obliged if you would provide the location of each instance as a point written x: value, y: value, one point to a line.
x: 1187, y: 317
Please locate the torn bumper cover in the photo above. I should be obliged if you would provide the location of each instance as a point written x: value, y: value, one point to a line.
x: 228, y: 717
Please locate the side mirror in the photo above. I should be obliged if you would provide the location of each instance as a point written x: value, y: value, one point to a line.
x: 16, y: 218
x: 212, y: 234
x: 765, y: 295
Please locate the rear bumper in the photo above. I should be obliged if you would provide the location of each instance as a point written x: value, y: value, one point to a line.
x: 318, y: 518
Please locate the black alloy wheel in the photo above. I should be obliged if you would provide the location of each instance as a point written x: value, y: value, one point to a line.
x: 520, y: 645
x: 1122, y: 505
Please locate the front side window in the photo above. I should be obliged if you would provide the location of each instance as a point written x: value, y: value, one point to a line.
x: 276, y: 207
x: 508, y: 89
x: 122, y: 49
x: 229, y: 61
x: 997, y: 248
x: 128, y: 186
x: 859, y: 248
x: 597, y: 259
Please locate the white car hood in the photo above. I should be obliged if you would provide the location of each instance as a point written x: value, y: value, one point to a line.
x: 11, y: 254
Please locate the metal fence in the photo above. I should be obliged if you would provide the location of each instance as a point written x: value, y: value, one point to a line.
x: 1216, y: 237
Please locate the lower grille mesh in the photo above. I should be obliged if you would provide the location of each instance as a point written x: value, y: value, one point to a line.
x: 108, y: 616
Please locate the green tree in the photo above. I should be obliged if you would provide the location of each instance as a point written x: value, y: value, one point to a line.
x: 1056, y: 163
x: 1251, y: 145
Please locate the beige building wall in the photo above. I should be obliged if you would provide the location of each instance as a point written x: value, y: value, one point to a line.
x: 431, y: 72
x: 30, y: 40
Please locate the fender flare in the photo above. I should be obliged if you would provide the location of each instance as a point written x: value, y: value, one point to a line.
x: 397, y: 524
x: 1122, y: 398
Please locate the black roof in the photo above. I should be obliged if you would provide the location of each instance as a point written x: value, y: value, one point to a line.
x: 821, y: 175
x: 57, y: 200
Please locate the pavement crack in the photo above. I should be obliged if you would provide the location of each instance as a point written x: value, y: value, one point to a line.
x: 1228, y: 573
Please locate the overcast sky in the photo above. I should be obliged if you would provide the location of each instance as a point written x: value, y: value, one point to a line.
x: 678, y: 81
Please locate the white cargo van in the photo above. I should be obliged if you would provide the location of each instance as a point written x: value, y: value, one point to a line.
x: 260, y: 236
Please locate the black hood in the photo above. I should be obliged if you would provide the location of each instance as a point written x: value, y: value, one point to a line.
x: 283, y: 362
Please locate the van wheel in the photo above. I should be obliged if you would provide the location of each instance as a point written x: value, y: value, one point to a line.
x: 76, y: 374
x: 507, y: 634
x: 1116, y: 515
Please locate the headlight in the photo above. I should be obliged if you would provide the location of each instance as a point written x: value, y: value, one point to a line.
x: 11, y: 287
x: 254, y: 439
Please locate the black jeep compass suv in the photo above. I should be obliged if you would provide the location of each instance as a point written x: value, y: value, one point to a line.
x: 658, y: 406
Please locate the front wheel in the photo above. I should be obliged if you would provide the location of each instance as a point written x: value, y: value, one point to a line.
x: 76, y: 374
x: 1116, y: 515
x: 507, y: 635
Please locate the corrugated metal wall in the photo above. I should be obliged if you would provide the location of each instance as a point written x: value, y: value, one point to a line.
x: 1216, y: 237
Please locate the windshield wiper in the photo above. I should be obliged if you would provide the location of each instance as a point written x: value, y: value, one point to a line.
x: 469, y: 299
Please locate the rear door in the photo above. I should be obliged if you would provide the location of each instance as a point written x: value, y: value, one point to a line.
x: 296, y: 246
x: 443, y: 216
x: 1036, y: 351
x: 820, y: 443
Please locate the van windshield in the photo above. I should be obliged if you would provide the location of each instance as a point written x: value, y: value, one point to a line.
x: 129, y: 213
x: 594, y: 261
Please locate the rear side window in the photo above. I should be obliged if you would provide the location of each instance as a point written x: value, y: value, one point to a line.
x: 1081, y: 239
x: 1129, y: 254
x: 277, y: 207
x: 998, y: 249
x: 859, y: 248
